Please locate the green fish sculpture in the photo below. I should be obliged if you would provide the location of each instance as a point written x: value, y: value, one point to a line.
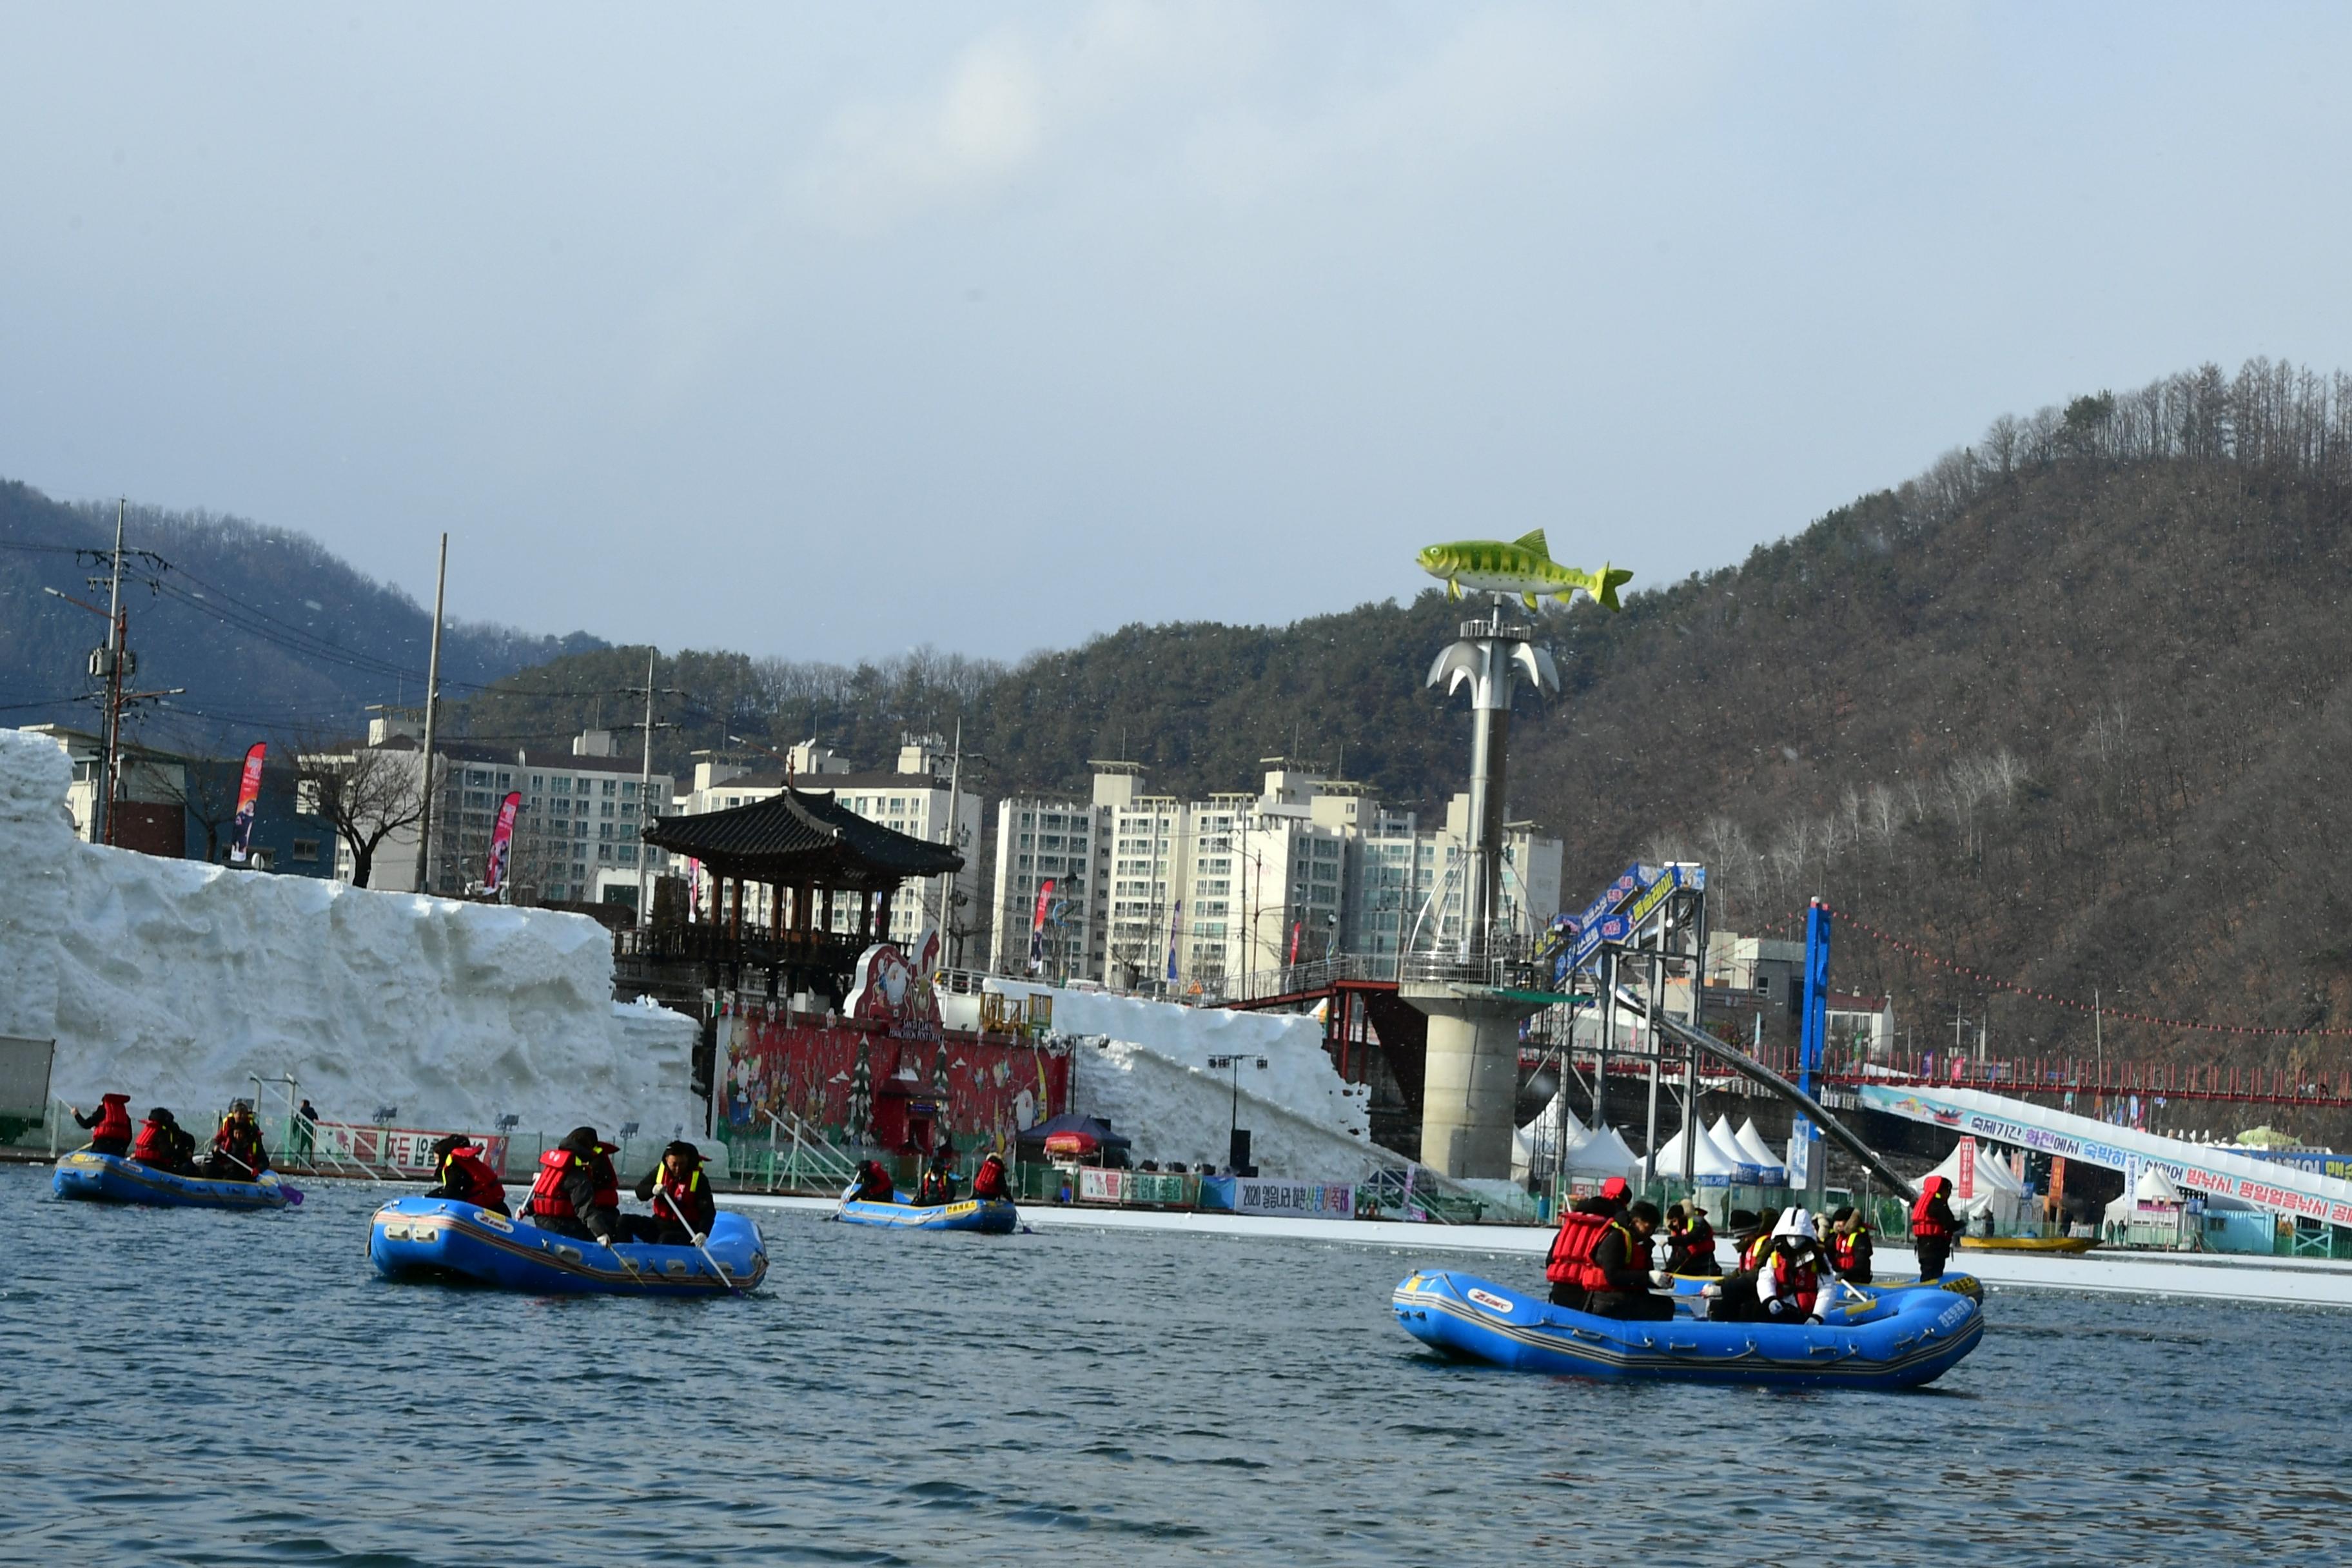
x: 1524, y: 567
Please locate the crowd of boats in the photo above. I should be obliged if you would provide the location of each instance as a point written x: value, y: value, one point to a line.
x: 1792, y: 1309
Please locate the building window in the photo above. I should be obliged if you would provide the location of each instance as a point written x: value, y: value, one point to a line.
x: 629, y: 789
x: 629, y: 854
x: 306, y: 850
x: 608, y: 808
x: 562, y: 784
x: 612, y: 786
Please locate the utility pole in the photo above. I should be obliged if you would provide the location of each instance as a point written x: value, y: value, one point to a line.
x: 947, y: 883
x: 432, y: 712
x: 645, y: 793
x: 109, y: 768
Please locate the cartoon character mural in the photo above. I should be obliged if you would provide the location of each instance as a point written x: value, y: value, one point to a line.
x: 850, y: 1074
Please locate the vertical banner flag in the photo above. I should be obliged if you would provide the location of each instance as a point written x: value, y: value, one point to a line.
x: 2058, y: 1183
x: 1175, y: 918
x: 1037, y: 926
x: 248, y: 795
x: 1296, y: 927
x: 1967, y: 1184
x: 2131, y: 1184
x: 493, y: 874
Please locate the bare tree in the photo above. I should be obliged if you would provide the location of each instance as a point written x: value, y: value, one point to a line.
x: 208, y: 790
x: 366, y: 794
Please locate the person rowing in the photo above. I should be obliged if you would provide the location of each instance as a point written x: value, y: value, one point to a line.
x: 683, y: 1206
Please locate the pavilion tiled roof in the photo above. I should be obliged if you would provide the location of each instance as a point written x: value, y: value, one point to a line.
x: 802, y: 837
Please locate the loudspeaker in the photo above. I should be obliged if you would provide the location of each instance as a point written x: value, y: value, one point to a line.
x: 1237, y: 1158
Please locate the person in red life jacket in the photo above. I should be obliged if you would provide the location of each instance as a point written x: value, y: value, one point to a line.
x: 162, y: 1143
x: 1580, y: 1232
x: 938, y: 1182
x: 1933, y: 1227
x: 1618, y: 1279
x: 1849, y: 1246
x: 110, y: 1124
x: 462, y: 1175
x: 1690, y: 1242
x: 675, y: 1187
x: 1789, y: 1285
x: 1734, y: 1300
x: 872, y: 1184
x: 237, y: 1155
x: 576, y: 1194
x: 989, y: 1182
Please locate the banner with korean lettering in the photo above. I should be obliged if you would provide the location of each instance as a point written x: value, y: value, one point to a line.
x: 494, y: 872
x: 249, y: 800
x: 1292, y: 1200
x: 1966, y: 1187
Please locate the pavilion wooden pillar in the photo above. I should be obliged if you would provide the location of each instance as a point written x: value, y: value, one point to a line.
x: 828, y: 911
x: 735, y: 920
x: 865, y: 914
x: 882, y: 916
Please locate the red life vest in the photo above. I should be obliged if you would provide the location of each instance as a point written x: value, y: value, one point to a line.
x: 988, y: 1182
x: 676, y: 1200
x: 1571, y: 1260
x: 470, y: 1175
x: 547, y: 1192
x: 1845, y: 1249
x: 1922, y: 1224
x: 1751, y: 1257
x: 154, y: 1144
x: 114, y: 1121
x: 1799, y: 1282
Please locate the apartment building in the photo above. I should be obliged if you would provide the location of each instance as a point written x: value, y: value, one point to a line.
x: 1066, y: 843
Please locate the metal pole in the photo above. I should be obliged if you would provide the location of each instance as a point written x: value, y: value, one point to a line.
x: 432, y: 712
x: 1608, y: 1037
x: 1690, y: 1057
x: 947, y: 882
x: 109, y: 768
x: 1650, y: 1039
x: 645, y: 794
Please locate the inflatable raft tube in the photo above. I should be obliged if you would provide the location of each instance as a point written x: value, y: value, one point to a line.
x: 110, y: 1179
x: 990, y: 1217
x: 440, y: 1239
x: 1902, y: 1339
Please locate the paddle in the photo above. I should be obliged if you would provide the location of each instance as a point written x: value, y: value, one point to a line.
x: 293, y: 1193
x: 662, y: 1198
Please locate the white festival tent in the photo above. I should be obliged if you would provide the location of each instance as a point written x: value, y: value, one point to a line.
x: 1555, y: 1130
x: 1996, y: 1189
x: 1603, y: 1153
x: 1753, y: 1172
x: 1710, y: 1166
x: 1752, y: 1142
x: 2155, y: 1187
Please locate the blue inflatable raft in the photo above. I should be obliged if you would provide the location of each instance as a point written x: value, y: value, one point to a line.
x: 439, y: 1238
x: 112, y: 1179
x: 1900, y: 1337
x: 990, y: 1217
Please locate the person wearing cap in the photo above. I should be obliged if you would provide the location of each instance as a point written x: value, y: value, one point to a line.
x: 1789, y: 1285
x: 872, y: 1184
x: 1758, y: 1244
x: 237, y: 1155
x: 682, y: 1202
x: 1568, y: 1265
x: 1619, y: 1276
x: 576, y: 1194
x: 1849, y: 1246
x: 1734, y: 1299
x: 162, y: 1143
x: 462, y: 1175
x: 1934, y: 1227
x: 109, y: 1125
x: 1690, y: 1241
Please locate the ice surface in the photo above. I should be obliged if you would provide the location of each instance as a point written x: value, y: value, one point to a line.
x: 173, y: 980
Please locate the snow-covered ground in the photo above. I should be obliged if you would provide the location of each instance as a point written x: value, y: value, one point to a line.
x: 1143, y: 1067
x: 176, y: 982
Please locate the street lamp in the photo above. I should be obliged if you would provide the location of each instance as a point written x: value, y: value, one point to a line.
x: 1236, y: 1141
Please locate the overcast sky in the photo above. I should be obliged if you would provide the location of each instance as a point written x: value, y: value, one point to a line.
x: 823, y: 331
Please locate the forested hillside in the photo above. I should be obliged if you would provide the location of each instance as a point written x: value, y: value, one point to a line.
x: 2070, y: 710
x: 268, y: 633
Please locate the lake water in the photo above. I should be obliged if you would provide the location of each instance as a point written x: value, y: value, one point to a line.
x: 208, y: 1388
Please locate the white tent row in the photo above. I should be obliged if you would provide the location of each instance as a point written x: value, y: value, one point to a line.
x: 1997, y: 1191
x: 1775, y: 1171
x: 1711, y: 1165
x: 1579, y: 1150
x: 2155, y: 1187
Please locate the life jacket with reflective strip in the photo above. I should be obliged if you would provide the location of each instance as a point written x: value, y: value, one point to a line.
x: 675, y: 1198
x: 988, y: 1182
x: 1593, y: 1276
x: 241, y: 1140
x: 155, y: 1144
x: 1845, y: 1249
x: 1572, y: 1249
x: 1798, y: 1282
x: 114, y: 1121
x: 1751, y: 1257
x: 464, y: 1171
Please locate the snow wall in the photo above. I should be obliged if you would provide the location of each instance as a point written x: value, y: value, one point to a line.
x: 1142, y: 1066
x: 172, y: 981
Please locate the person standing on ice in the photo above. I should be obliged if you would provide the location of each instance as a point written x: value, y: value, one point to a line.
x: 1933, y: 1227
x: 110, y: 1124
x: 577, y: 1194
x: 463, y: 1176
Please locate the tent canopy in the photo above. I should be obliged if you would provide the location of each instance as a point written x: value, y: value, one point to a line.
x: 1603, y: 1153
x: 1752, y: 1142
x: 1997, y: 1191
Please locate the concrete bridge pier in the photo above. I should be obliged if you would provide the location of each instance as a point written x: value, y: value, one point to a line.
x: 1470, y: 1077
